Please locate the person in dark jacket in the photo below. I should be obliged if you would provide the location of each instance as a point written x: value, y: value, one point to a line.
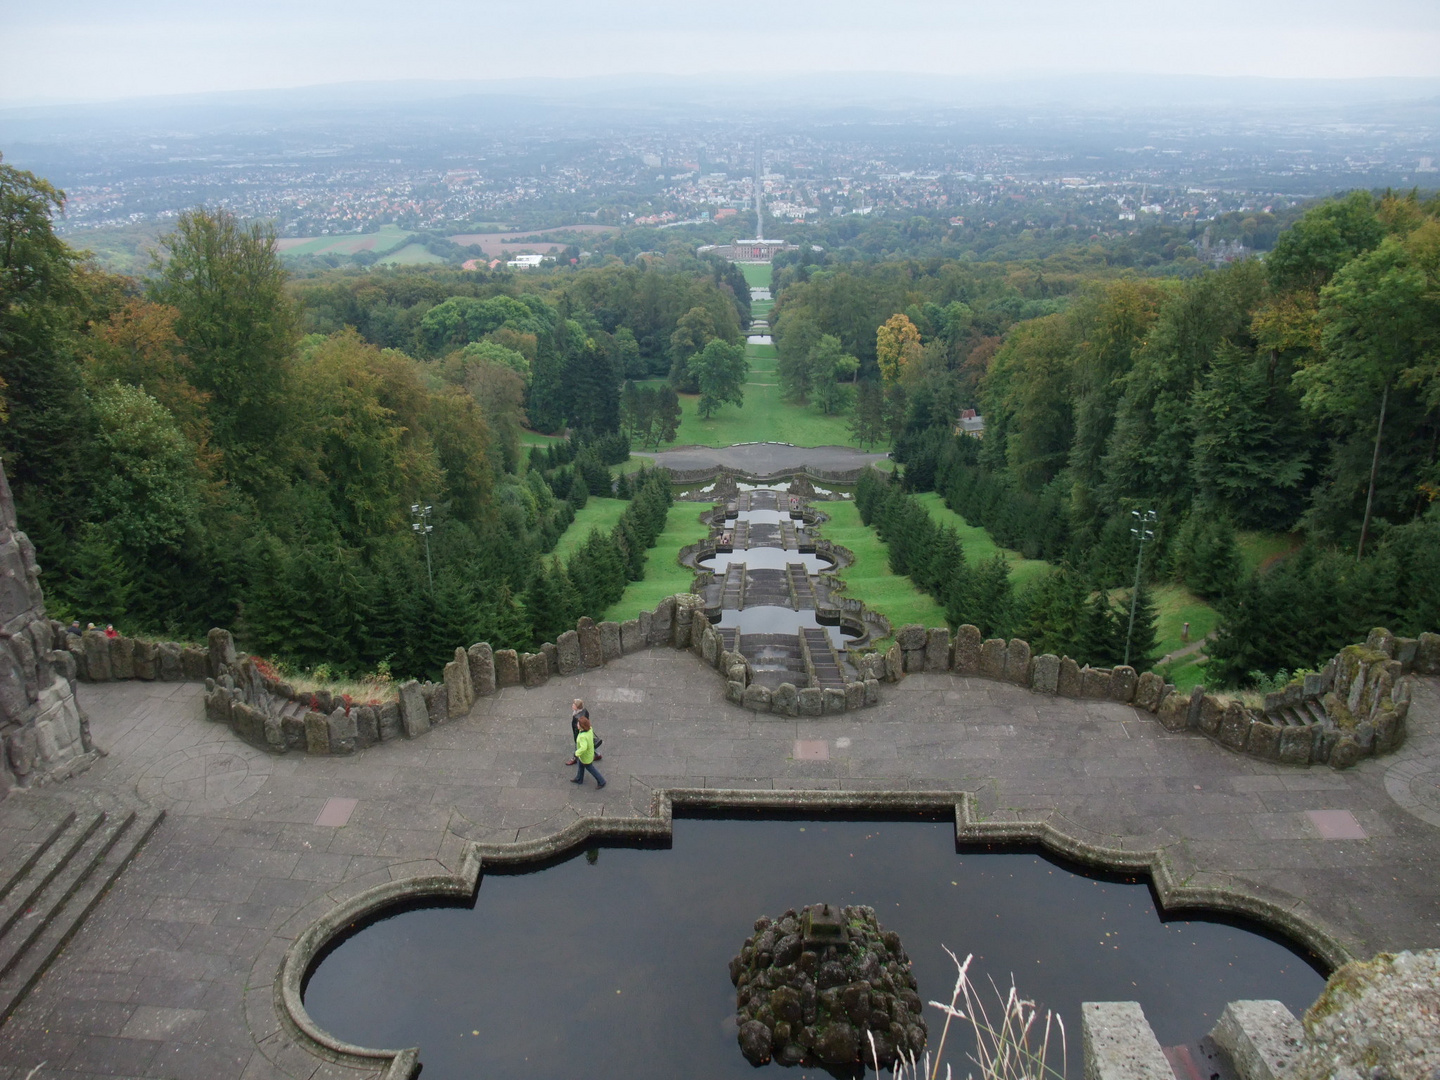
x: 577, y: 710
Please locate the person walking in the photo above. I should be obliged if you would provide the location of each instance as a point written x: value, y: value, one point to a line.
x: 585, y: 754
x: 577, y: 710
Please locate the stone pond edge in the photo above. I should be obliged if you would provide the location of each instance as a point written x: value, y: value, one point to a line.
x: 1170, y: 886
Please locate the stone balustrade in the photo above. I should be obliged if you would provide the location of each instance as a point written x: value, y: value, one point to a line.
x: 1364, y: 691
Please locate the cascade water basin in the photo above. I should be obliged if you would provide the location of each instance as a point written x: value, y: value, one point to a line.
x: 774, y: 619
x: 612, y: 962
x: 765, y: 558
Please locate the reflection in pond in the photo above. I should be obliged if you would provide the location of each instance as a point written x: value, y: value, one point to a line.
x: 765, y: 558
x: 763, y: 517
x: 778, y: 620
x: 617, y: 968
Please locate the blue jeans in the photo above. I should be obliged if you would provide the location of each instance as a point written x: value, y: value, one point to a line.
x: 580, y: 768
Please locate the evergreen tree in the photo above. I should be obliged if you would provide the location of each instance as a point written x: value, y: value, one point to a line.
x: 992, y: 597
x: 1206, y: 557
x: 552, y: 603
x: 101, y: 583
x: 579, y: 493
x: 1054, y: 613
x: 1145, y: 637
x: 1101, y: 641
x: 503, y: 621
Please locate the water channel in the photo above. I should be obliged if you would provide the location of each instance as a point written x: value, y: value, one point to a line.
x: 612, y: 963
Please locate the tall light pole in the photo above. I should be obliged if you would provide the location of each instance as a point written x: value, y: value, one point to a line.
x: 420, y: 522
x: 1142, y: 527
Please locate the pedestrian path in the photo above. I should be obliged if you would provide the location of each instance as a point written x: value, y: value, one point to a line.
x: 173, y: 973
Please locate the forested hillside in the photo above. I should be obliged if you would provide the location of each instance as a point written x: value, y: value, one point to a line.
x: 335, y: 466
x: 1299, y: 394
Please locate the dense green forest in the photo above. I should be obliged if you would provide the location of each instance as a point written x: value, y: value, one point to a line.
x: 335, y: 465
x: 1300, y: 394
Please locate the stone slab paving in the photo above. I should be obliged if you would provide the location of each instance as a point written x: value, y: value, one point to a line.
x: 763, y: 458
x: 173, y: 975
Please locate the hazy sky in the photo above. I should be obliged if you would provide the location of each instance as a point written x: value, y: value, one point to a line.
x: 97, y: 49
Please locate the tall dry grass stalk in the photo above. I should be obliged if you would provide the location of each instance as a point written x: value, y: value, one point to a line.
x: 1014, y: 1046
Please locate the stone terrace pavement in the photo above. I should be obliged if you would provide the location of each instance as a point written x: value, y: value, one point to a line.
x: 763, y: 458
x: 172, y: 976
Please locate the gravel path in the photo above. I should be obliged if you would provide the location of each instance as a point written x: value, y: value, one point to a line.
x: 763, y: 458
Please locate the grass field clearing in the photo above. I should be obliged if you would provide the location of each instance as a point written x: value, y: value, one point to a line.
x: 763, y: 418
x: 978, y: 544
x: 664, y: 576
x: 410, y: 255
x: 757, y: 275
x: 597, y: 513
x: 386, y: 238
x: 869, y: 578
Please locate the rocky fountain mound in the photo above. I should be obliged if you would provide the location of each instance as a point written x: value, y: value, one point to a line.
x: 814, y: 987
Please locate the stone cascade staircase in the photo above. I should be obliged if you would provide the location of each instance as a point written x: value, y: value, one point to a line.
x: 802, y: 589
x: 823, y: 660
x: 740, y: 536
x: 62, y: 858
x: 732, y: 591
x: 774, y: 658
x: 789, y: 540
x: 767, y: 588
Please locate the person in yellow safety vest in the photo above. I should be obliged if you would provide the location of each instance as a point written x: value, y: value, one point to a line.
x: 585, y: 754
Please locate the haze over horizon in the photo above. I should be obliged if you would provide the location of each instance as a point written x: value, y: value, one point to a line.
x: 91, y: 51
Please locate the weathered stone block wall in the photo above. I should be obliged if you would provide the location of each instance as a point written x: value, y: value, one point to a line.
x: 44, y: 736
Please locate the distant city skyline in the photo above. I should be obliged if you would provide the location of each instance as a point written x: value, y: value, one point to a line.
x: 114, y: 49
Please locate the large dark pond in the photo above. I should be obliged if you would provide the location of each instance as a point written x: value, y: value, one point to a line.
x: 613, y: 963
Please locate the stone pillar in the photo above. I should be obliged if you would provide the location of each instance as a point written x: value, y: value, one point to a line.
x: 567, y: 647
x: 460, y: 692
x: 967, y: 650
x: 482, y: 668
x: 937, y: 649
x: 591, y: 654
x: 413, y: 714
x: 222, y: 651
x: 610, y: 647
x: 1118, y: 1043
x: 507, y: 667
x: 1017, y: 662
x: 1263, y: 1038
x: 97, y: 655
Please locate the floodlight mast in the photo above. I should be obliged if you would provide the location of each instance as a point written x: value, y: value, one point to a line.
x: 420, y: 523
x: 1142, y: 528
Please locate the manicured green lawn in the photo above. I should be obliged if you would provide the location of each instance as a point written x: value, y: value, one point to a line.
x: 978, y: 544
x: 1259, y: 549
x: 1176, y: 605
x: 534, y: 438
x: 869, y: 578
x: 664, y: 576
x: 1186, y: 673
x: 602, y: 514
x: 757, y: 275
x: 763, y: 418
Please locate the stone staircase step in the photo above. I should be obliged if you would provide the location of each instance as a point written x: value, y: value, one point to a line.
x: 22, y: 896
x: 27, y: 845
x: 28, y: 948
x: 1316, y: 712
